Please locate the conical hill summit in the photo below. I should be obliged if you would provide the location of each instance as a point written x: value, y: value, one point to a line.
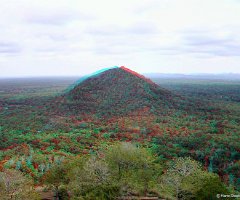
x: 117, y: 91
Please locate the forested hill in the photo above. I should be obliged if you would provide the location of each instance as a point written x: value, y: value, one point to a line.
x: 117, y: 91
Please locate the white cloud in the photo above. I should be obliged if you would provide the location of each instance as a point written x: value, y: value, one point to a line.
x: 74, y: 37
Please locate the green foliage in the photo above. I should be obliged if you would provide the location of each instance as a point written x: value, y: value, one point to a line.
x: 132, y: 167
x: 90, y: 177
x: 56, y: 177
x: 211, y: 187
x: 118, y: 170
x: 106, y: 135
x: 63, y: 193
x: 125, y: 156
x: 14, y: 185
x: 187, y: 180
x: 33, y: 139
x: 101, y: 192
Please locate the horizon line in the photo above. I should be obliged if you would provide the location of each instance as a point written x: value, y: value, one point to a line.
x: 146, y: 73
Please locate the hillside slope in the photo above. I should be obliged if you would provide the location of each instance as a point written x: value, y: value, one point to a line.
x: 117, y: 91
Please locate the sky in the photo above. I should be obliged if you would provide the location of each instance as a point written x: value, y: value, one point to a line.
x: 76, y: 37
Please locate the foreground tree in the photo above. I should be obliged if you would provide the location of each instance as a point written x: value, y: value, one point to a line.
x: 14, y: 185
x: 211, y: 186
x: 56, y: 177
x: 91, y: 178
x: 121, y: 169
x: 186, y: 179
x: 133, y: 168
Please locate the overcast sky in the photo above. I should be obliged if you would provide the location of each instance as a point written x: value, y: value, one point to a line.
x: 76, y: 37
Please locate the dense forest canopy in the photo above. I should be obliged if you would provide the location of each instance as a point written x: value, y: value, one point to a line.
x: 38, y: 141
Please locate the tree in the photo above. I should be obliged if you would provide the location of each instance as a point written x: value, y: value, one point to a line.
x: 14, y: 185
x: 177, y: 173
x: 90, y: 178
x: 187, y: 180
x: 97, y: 170
x: 56, y: 177
x: 120, y: 169
x: 132, y: 167
x: 123, y: 157
x: 211, y: 187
